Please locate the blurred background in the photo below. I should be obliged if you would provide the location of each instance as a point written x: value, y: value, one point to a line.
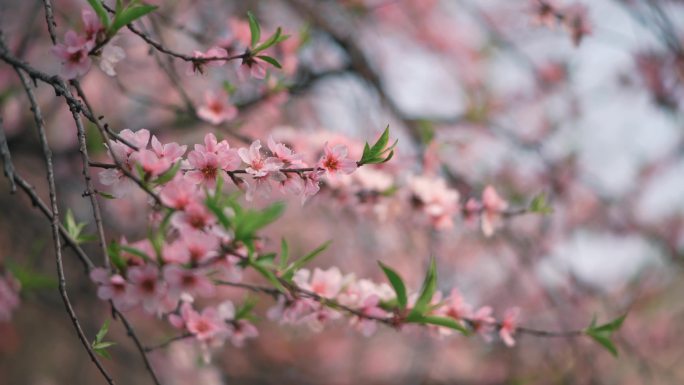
x: 583, y: 104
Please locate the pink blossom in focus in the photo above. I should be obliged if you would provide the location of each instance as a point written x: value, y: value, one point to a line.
x: 335, y: 160
x: 74, y: 55
x: 258, y: 164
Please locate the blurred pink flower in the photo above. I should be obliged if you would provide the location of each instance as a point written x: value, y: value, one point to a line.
x: 335, y: 160
x: 217, y: 108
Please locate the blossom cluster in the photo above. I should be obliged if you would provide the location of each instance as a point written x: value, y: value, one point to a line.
x: 76, y: 50
x: 370, y: 302
x: 279, y: 167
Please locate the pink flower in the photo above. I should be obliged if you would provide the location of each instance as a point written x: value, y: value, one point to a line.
x: 241, y: 330
x: 204, y: 326
x: 181, y: 280
x: 456, y: 307
x: 193, y: 246
x: 217, y: 108
x: 138, y: 138
x: 508, y: 326
x: 312, y: 182
x: 170, y: 151
x: 178, y: 193
x: 92, y: 25
x: 493, y: 207
x: 284, y: 154
x: 335, y: 160
x: 326, y: 283
x: 258, y: 165
x: 150, y: 163
x: 482, y: 320
x: 206, y: 160
x: 197, y: 66
x: 289, y: 183
x: 205, y: 168
x: 436, y: 200
x: 74, y: 55
x: 146, y: 286
x: 110, y: 55
x: 194, y: 216
x: 250, y: 67
x: 114, y: 288
x: 370, y: 307
x: 258, y: 186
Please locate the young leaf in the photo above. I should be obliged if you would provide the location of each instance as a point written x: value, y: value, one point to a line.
x: 100, y: 11
x: 250, y: 221
x: 29, y: 279
x: 270, y: 60
x: 284, y: 253
x: 426, y: 293
x: 104, y: 329
x: 443, y: 321
x: 134, y: 251
x: 277, y: 37
x: 602, y: 333
x: 168, y: 174
x: 254, y: 29
x: 539, y: 205
x: 397, y: 284
x: 269, y: 275
x: 301, y: 262
x: 127, y: 15
x: 244, y: 310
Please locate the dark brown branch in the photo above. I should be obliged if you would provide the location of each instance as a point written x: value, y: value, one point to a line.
x: 54, y: 222
x: 7, y: 165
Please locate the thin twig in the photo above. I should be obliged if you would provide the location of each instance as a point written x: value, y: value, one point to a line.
x: 54, y: 222
x: 7, y: 165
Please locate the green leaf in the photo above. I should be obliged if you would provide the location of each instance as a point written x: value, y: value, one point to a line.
x: 276, y: 38
x: 104, y: 329
x: 106, y: 195
x: 168, y: 174
x: 602, y: 333
x: 114, y: 252
x: 270, y: 60
x: 397, y: 284
x: 443, y: 321
x: 103, y: 345
x: 539, y: 205
x: 29, y: 279
x: 426, y: 293
x: 301, y: 262
x: 244, y: 310
x: 379, y: 152
x: 127, y: 15
x: 250, y: 221
x: 103, y: 353
x: 269, y: 275
x: 136, y: 252
x: 254, y: 29
x: 100, y: 11
x: 284, y: 253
